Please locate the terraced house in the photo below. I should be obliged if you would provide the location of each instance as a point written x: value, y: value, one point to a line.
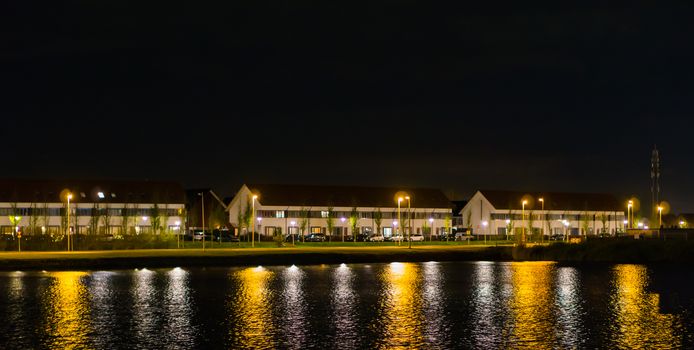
x: 35, y: 207
x: 508, y: 213
x: 339, y: 211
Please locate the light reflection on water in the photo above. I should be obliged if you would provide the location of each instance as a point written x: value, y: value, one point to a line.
x: 638, y: 322
x: 344, y: 301
x: 66, y: 311
x: 251, y: 323
x: 401, y: 316
x: 482, y: 305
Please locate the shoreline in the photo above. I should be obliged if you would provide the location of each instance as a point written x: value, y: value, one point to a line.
x: 161, y: 258
x: 591, y: 252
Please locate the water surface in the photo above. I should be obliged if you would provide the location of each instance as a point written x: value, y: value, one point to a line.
x: 481, y: 305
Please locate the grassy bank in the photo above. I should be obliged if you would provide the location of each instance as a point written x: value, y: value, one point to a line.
x: 611, y: 251
x: 151, y: 258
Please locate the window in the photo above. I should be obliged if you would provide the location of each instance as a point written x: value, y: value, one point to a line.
x: 324, y: 213
x: 316, y: 229
x: 279, y: 214
x: 387, y: 231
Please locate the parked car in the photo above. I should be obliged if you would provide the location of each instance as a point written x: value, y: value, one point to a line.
x: 224, y: 235
x: 375, y: 238
x: 362, y: 237
x: 417, y: 237
x: 315, y: 237
x: 289, y: 238
x: 394, y: 239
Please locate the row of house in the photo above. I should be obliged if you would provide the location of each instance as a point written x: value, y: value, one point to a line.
x: 134, y: 207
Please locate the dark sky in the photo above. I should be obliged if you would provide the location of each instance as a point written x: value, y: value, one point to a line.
x: 460, y: 96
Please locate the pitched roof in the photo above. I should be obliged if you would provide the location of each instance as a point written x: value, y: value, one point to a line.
x: 87, y: 191
x: 346, y: 196
x: 553, y: 200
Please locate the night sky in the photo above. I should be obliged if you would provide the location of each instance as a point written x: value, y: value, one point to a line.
x: 457, y: 95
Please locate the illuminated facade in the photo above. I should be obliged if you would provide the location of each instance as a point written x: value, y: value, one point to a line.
x: 35, y: 207
x: 512, y: 213
x: 284, y: 208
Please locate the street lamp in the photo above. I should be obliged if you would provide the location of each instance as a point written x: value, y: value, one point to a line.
x: 630, y: 208
x: 431, y: 232
x: 342, y: 219
x: 253, y: 215
x: 660, y: 217
x: 544, y: 218
x: 69, y: 197
x: 523, y: 217
x: 202, y: 200
x: 400, y: 199
x: 409, y: 223
x: 292, y: 223
x: 484, y: 224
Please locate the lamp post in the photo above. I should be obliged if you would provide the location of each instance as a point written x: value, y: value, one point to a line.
x: 409, y: 223
x: 342, y: 220
x: 202, y: 215
x: 484, y: 224
x: 630, y: 208
x: 292, y: 223
x: 400, y: 199
x: 544, y: 218
x: 431, y: 228
x: 660, y: 217
x: 523, y: 217
x: 69, y: 196
x: 253, y: 215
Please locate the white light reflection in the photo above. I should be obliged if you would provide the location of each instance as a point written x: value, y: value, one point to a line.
x: 144, y: 308
x: 294, y: 316
x: 434, y: 306
x: 570, y: 332
x: 178, y: 304
x: 103, y: 307
x: 485, y: 303
x: 344, y: 300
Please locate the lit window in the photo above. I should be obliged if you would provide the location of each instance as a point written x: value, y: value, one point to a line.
x: 113, y: 195
x: 279, y: 214
x: 324, y: 214
x: 100, y: 194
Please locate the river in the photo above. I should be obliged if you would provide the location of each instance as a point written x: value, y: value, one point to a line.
x: 480, y: 305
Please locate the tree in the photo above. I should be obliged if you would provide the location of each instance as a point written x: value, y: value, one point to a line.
x: 330, y: 223
x: 468, y: 218
x: 447, y: 224
x: 15, y: 218
x: 304, y: 214
x: 33, y: 218
x: 510, y: 224
x: 165, y: 219
x: 94, y: 219
x: 248, y: 216
x: 603, y: 220
x: 585, y: 223
x: 217, y: 217
x: 378, y: 218
x: 125, y: 222
x: 44, y: 215
x: 240, y: 219
x: 106, y: 219
x: 353, y: 221
x: 531, y: 222
x: 155, y: 217
x: 425, y: 229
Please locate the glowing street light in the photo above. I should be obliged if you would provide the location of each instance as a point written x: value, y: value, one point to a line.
x: 630, y: 208
x: 484, y: 224
x: 523, y: 216
x: 69, y: 197
x: 409, y: 222
x: 431, y: 224
x: 544, y: 218
x: 253, y: 215
x: 342, y: 219
x: 400, y: 199
x: 660, y: 216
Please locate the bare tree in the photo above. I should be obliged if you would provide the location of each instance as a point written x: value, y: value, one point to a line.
x: 330, y: 223
x: 378, y: 218
x: 353, y: 221
x: 305, y: 222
